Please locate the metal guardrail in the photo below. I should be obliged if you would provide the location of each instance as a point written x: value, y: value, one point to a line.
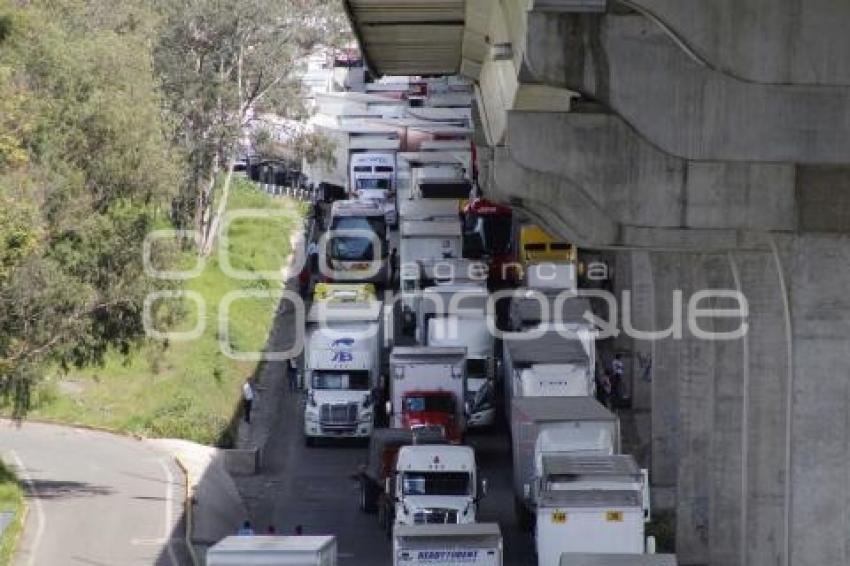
x: 285, y: 191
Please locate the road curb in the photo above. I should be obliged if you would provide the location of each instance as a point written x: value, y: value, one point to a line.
x: 188, y: 509
x: 93, y: 428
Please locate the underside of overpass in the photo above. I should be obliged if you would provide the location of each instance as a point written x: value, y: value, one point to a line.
x: 707, y: 144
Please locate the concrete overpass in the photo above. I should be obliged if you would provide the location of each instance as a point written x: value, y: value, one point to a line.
x: 708, y: 141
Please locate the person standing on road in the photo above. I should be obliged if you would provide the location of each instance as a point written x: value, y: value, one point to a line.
x: 603, y: 387
x: 393, y: 266
x: 246, y: 530
x: 313, y: 256
x: 292, y: 368
x: 618, y: 368
x: 247, y: 399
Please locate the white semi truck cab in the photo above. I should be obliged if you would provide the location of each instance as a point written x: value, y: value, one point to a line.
x: 590, y: 503
x: 373, y: 178
x: 436, y: 484
x: 342, y: 369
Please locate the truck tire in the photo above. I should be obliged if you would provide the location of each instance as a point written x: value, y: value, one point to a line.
x: 524, y: 519
x: 368, y: 497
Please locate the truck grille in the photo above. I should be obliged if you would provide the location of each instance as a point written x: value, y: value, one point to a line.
x: 435, y: 517
x: 338, y: 417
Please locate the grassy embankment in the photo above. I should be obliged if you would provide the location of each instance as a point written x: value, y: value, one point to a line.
x: 186, y: 389
x: 11, y: 499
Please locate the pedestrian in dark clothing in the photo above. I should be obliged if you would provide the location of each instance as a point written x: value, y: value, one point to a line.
x: 618, y: 369
x: 393, y: 266
x: 292, y: 370
x: 603, y: 387
x: 247, y: 399
x: 299, y: 530
x: 271, y: 530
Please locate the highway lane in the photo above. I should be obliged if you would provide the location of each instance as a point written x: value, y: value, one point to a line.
x: 315, y: 488
x: 95, y: 498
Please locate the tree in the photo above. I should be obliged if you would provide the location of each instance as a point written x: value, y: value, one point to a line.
x: 84, y: 167
x: 222, y: 62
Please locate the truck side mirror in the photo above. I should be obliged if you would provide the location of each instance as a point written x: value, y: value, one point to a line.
x: 388, y: 486
x: 467, y: 409
x: 483, y: 487
x: 388, y: 407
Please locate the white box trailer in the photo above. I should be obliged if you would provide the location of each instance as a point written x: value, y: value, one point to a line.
x: 342, y: 368
x: 608, y: 559
x: 590, y: 503
x: 543, y: 426
x: 273, y: 551
x: 430, y: 209
x: 457, y: 316
x: 473, y: 544
x: 556, y: 362
x: 427, y: 389
x: 531, y: 307
x: 424, y: 245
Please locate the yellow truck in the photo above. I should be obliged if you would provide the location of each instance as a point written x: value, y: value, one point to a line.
x: 546, y: 262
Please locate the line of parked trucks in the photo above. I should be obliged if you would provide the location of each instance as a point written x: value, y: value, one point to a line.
x: 416, y: 375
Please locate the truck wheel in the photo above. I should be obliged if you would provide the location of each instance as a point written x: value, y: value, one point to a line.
x: 368, y: 503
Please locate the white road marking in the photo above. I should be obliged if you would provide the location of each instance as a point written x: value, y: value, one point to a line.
x: 35, y: 499
x: 169, y: 511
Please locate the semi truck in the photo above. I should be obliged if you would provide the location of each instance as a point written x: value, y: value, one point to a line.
x: 472, y: 544
x: 488, y: 234
x: 558, y: 362
x: 342, y: 362
x: 372, y: 177
x: 545, y: 426
x: 427, y: 389
x: 529, y: 308
x: 357, y: 243
x: 414, y: 478
x: 546, y: 262
x: 273, y: 551
x: 590, y: 503
x: 424, y: 247
x: 457, y: 316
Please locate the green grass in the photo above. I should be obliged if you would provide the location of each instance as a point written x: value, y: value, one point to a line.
x: 11, y: 499
x: 186, y: 389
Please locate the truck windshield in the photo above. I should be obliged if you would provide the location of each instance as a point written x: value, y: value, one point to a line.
x: 429, y: 403
x: 375, y: 224
x: 357, y: 380
x: 493, y: 232
x: 436, y: 483
x: 476, y: 368
x: 352, y: 249
x: 383, y: 184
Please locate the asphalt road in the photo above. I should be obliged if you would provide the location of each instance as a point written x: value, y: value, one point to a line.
x: 315, y: 488
x: 95, y: 498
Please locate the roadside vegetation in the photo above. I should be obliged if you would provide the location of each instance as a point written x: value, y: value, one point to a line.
x: 185, y: 389
x: 119, y: 117
x: 11, y: 500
